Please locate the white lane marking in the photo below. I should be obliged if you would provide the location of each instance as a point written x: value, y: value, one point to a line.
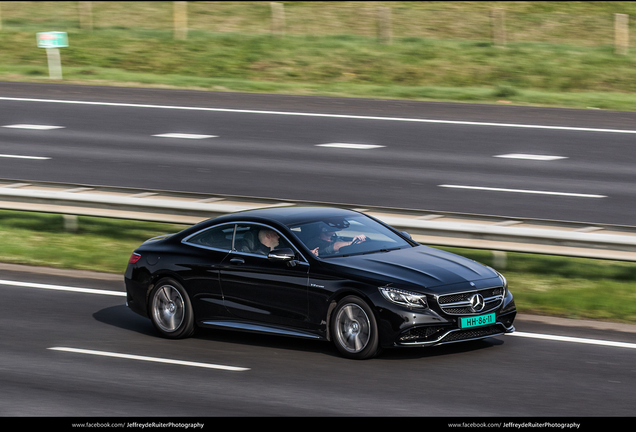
x: 358, y: 117
x: 350, y: 146
x: 525, y: 191
x: 530, y: 157
x: 24, y: 157
x: 32, y: 126
x: 574, y: 339
x: 150, y: 359
x: 62, y: 288
x: 184, y: 135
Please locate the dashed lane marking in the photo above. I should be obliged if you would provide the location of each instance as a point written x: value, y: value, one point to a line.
x: 530, y: 157
x: 23, y: 157
x: 184, y: 136
x: 351, y: 146
x: 33, y: 127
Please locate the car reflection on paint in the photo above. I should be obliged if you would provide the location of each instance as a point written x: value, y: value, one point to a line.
x: 317, y: 273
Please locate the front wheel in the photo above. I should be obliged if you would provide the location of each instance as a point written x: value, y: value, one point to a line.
x: 170, y: 310
x: 354, y: 329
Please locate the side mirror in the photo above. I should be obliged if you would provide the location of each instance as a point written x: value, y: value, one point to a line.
x: 283, y: 254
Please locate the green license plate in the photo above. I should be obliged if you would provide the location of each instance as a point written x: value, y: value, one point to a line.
x: 477, y: 321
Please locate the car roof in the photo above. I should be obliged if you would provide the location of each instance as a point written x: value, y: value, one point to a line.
x: 287, y: 215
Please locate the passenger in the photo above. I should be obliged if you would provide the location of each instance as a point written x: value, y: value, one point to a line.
x: 327, y: 243
x: 269, y: 240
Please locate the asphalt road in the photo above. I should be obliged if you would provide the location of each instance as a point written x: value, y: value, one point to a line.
x: 66, y: 353
x: 559, y: 164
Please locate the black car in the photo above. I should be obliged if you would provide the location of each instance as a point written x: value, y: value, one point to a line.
x: 314, y: 272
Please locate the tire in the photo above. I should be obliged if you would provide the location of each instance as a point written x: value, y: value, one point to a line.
x: 354, y: 329
x: 170, y: 310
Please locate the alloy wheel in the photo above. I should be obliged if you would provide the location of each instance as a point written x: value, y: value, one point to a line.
x: 168, y: 308
x: 353, y: 328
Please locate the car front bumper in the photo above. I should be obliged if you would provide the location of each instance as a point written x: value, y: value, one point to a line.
x: 407, y: 328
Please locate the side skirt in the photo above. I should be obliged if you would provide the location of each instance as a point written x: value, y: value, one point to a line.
x: 259, y: 328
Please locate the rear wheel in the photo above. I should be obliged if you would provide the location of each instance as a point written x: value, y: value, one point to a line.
x: 170, y: 310
x: 354, y: 329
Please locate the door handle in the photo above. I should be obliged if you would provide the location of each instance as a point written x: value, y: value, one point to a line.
x: 237, y: 261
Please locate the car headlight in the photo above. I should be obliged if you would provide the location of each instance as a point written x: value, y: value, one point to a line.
x: 404, y: 298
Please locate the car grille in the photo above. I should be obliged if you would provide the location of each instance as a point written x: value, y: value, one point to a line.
x: 459, y: 303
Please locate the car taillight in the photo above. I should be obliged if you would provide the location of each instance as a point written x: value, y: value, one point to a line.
x: 134, y: 258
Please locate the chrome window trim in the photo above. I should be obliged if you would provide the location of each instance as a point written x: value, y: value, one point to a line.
x: 186, y: 241
x: 233, y: 250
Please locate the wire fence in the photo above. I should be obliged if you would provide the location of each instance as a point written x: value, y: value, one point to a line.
x: 321, y: 19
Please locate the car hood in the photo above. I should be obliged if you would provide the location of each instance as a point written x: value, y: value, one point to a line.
x: 419, y: 267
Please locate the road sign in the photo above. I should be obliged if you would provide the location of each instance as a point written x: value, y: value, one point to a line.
x: 54, y: 39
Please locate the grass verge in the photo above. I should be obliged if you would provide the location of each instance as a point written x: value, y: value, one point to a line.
x: 537, y: 74
x: 544, y: 285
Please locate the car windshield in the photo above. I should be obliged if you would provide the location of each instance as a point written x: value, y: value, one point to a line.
x: 345, y: 236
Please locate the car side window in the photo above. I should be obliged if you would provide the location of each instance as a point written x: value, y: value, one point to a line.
x: 216, y: 238
x: 246, y: 239
x: 258, y: 239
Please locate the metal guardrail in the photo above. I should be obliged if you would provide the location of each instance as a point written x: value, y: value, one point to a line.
x: 434, y: 228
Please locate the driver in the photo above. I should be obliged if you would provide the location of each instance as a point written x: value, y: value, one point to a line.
x: 327, y: 243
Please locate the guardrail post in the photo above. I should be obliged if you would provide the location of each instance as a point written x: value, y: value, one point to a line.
x: 71, y: 223
x: 499, y: 259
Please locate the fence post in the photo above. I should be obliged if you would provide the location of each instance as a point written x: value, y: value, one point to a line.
x: 385, y: 30
x: 621, y: 33
x: 278, y: 19
x: 498, y: 18
x: 86, y: 15
x: 181, y: 20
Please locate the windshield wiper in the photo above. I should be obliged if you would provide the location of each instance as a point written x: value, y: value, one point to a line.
x: 368, y: 252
